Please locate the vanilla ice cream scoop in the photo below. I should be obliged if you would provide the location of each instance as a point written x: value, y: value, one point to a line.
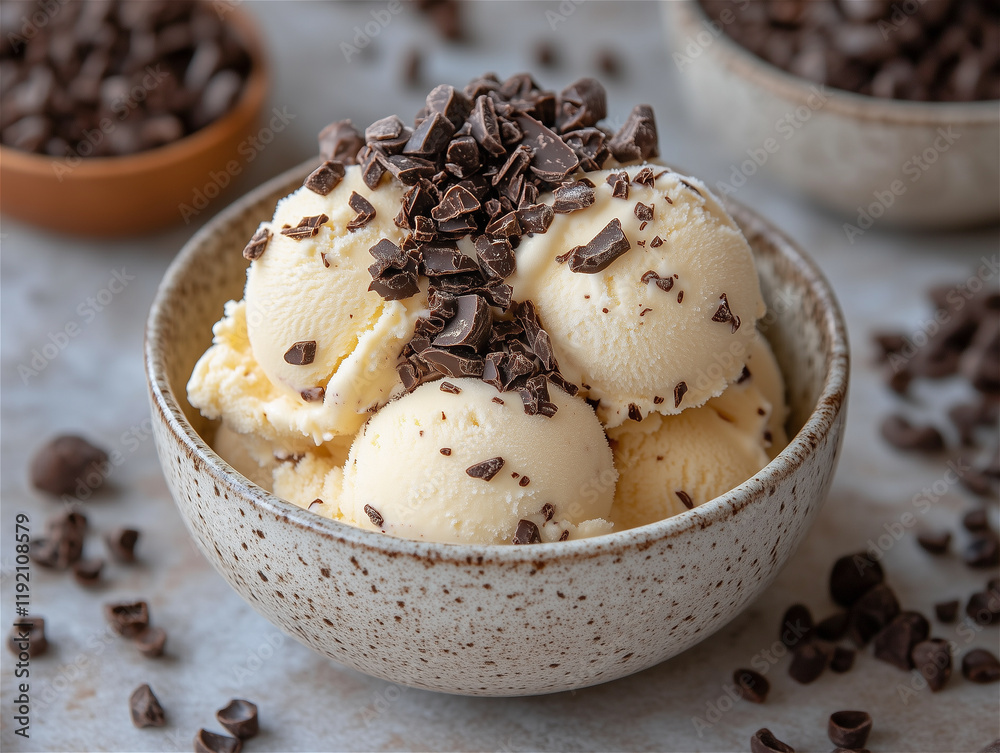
x: 457, y: 461
x: 646, y: 293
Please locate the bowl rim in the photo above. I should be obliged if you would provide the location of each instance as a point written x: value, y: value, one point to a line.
x: 747, y: 64
x: 248, y: 105
x: 830, y: 404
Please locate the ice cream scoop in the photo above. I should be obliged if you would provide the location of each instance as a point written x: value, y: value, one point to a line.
x: 647, y: 291
x: 456, y: 461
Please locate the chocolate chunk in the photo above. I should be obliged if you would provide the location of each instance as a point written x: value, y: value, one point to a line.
x: 842, y: 659
x: 903, y: 435
x: 572, y: 197
x: 665, y: 284
x: 308, y: 227
x: 975, y: 520
x: 450, y: 388
x: 470, y: 326
x: 725, y: 314
x: 552, y: 159
x: 853, y: 576
x: 121, y: 543
x: 145, y: 709
x: 809, y: 660
x: 485, y: 128
x: 983, y: 550
x: 896, y: 641
x: 685, y: 499
x: 150, y: 641
x: 211, y: 742
x: 374, y: 515
x: 505, y: 226
x: 601, y: 252
x: 935, y: 542
x: 340, y: 142
x: 619, y: 183
x: 946, y: 611
x: 526, y: 533
x: 636, y: 139
x: 583, y: 103
x: 446, y: 451
x: 535, y: 397
x: 462, y: 156
x: 257, y: 245
x: 313, y: 394
x: 643, y: 213
x: 88, y: 572
x: 752, y: 686
x: 408, y: 170
x: 430, y: 137
x: 442, y: 258
x: 590, y: 147
x: 548, y: 511
x: 496, y: 256
x: 487, y: 469
x: 634, y: 412
x: 301, y: 353
x: 979, y: 665
x: 680, y: 390
x: 453, y: 363
x: 871, y: 613
x: 322, y: 180
x: 69, y: 465
x: 796, y: 625
x: 834, y: 627
x: 645, y: 177
x: 63, y: 542
x: 385, y: 129
x: 239, y: 717
x: 457, y: 201
x: 450, y: 102
x: 849, y: 729
x: 535, y: 218
x: 27, y: 636
x: 764, y: 741
x: 372, y: 168
x: 932, y: 658
x: 394, y: 273
x: 364, y: 208
x: 983, y: 608
x: 127, y: 619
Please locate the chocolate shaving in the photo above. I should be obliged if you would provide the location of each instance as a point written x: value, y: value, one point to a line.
x: 685, y: 498
x: 725, y: 314
x: 645, y: 177
x: 571, y: 197
x: 257, y: 244
x: 663, y: 283
x: 301, y: 353
x: 375, y: 516
x: 636, y: 139
x: 526, y: 533
x: 486, y: 470
x: 366, y: 212
x: 679, y: 392
x: 308, y: 227
x: 600, y: 252
x: 325, y: 178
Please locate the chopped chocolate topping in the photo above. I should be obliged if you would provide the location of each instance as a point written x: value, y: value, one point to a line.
x: 524, y: 481
x: 210, y: 742
x: 751, y: 685
x: 548, y: 511
x: 656, y: 242
x: 469, y: 326
x: 764, y: 741
x: 665, y: 284
x: 121, y: 543
x: 564, y: 535
x: 313, y: 394
x: 450, y: 388
x: 571, y: 197
x: 496, y: 257
x: 446, y: 451
x: 933, y: 660
x: 308, y: 227
x: 644, y: 213
x: 679, y: 392
x: 725, y: 314
x: 151, y: 642
x: 340, y: 142
x: 498, y: 401
x: 526, y: 533
x: 257, y: 245
x: 375, y: 516
x: 301, y: 353
x: 535, y: 218
x: 364, y: 208
x: 128, y: 619
x: 430, y: 137
x: 239, y: 717
x: 552, y: 158
x: 849, y: 729
x: 145, y: 709
x: 324, y: 178
x: 657, y: 400
x: 634, y: 412
x: 637, y: 139
x: 600, y: 252
x: 487, y: 469
x: 619, y: 183
x: 685, y: 498
x: 394, y: 273
x: 645, y: 177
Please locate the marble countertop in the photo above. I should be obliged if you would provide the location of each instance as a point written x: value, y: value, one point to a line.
x: 92, y: 381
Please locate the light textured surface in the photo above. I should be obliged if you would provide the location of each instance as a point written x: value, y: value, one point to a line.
x: 220, y: 648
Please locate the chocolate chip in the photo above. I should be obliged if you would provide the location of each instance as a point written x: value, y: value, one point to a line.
x: 150, y: 641
x: 548, y: 511
x: 453, y: 363
x: 535, y: 398
x: 752, y: 686
x: 685, y: 499
x: 979, y: 665
x: 946, y: 611
x: 394, y: 273
x: 619, y: 183
x: 372, y: 168
x: 725, y: 314
x: 301, y: 353
x: 364, y: 208
x: 680, y: 390
x: 983, y: 550
x: 384, y: 129
x: 457, y: 200
x: 601, y: 252
x: 842, y: 660
x: 68, y: 464
x: 27, y: 635
x: 645, y: 177
x: 496, y: 257
x: 552, y: 158
x: 485, y: 128
x: 935, y: 542
x: 932, y: 659
x: 487, y: 469
x: 211, y: 742
x: 895, y: 642
x: 809, y: 660
x: 796, y: 625
x: 127, y: 619
x: 634, y: 412
x: 871, y: 613
x: 535, y: 218
x: 308, y: 227
x: 446, y: 451
x: 375, y: 516
x: 63, y: 542
x: 431, y: 136
x: 583, y: 103
x: 340, y: 142
x: 145, y: 709
x: 637, y: 139
x: 572, y: 197
x: 643, y: 213
x: 505, y: 226
x: 849, y: 729
x: 983, y: 608
x: 450, y: 102
x: 322, y: 180
x: 257, y: 245
x: 450, y: 388
x: 764, y: 741
x: 834, y: 627
x: 470, y: 325
x: 121, y: 543
x: 441, y: 258
x: 852, y: 576
x: 903, y: 435
x: 313, y: 394
x: 88, y: 572
x: 975, y: 520
x: 526, y: 533
x: 239, y: 717
x: 665, y: 284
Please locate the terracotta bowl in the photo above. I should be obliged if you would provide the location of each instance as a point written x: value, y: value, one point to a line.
x: 496, y: 620
x: 932, y: 165
x: 128, y: 195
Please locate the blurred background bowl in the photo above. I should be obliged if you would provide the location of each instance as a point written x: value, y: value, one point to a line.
x: 141, y: 192
x: 932, y: 165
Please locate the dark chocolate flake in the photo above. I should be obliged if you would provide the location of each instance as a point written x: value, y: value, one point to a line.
x: 365, y: 210
x: 685, y: 498
x: 375, y: 516
x: 450, y: 388
x: 496, y: 257
x: 257, y: 245
x: 645, y: 177
x: 637, y: 139
x: 663, y: 283
x: 308, y: 227
x: 602, y: 251
x: 486, y: 470
x: 469, y: 326
x: 619, y: 183
x: 301, y: 353
x: 644, y: 213
x: 552, y: 158
x: 430, y: 137
x: 548, y: 511
x: 535, y: 218
x: 325, y: 178
x: 679, y: 391
x: 572, y: 197
x: 526, y: 533
x: 457, y: 200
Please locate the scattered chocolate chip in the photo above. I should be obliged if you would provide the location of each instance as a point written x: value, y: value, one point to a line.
x: 842, y: 659
x: 239, y: 717
x: 946, y: 611
x: 322, y: 180
x: 752, y: 686
x: 211, y: 742
x: 619, y: 183
x: 764, y: 741
x: 663, y: 283
x: 308, y: 227
x: 900, y: 433
x: 487, y: 469
x: 28, y: 636
x: 680, y: 390
x: 602, y: 251
x: 572, y: 197
x: 932, y: 658
x: 979, y: 665
x: 983, y: 608
x: 656, y: 242
x: 526, y: 533
x: 895, y: 642
x: 150, y: 641
x: 375, y: 516
x: 340, y: 142
x: 725, y: 314
x: 257, y: 245
x: 809, y: 659
x: 524, y: 481
x: 88, y: 572
x: 69, y: 465
x: 121, y: 543
x: 313, y: 394
x: 128, y: 619
x: 145, y: 709
x: 658, y: 400
x: 450, y: 388
x: 364, y: 208
x: 643, y: 213
x: 983, y: 550
x: 871, y: 613
x: 834, y: 627
x: 301, y: 353
x: 849, y: 729
x: 935, y: 542
x: 852, y: 576
x: 636, y: 139
x: 548, y: 511
x: 796, y: 625
x: 685, y: 499
x: 975, y: 520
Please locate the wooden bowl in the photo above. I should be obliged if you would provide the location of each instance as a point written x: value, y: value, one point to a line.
x: 142, y: 192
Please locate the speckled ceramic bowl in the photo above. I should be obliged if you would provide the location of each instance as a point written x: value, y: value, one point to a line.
x: 496, y: 620
x: 872, y: 160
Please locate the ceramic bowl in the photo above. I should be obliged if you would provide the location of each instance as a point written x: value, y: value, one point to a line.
x: 146, y: 191
x: 496, y: 620
x: 933, y: 165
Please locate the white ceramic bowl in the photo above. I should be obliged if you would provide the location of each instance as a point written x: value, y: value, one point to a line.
x: 908, y: 164
x: 496, y: 620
